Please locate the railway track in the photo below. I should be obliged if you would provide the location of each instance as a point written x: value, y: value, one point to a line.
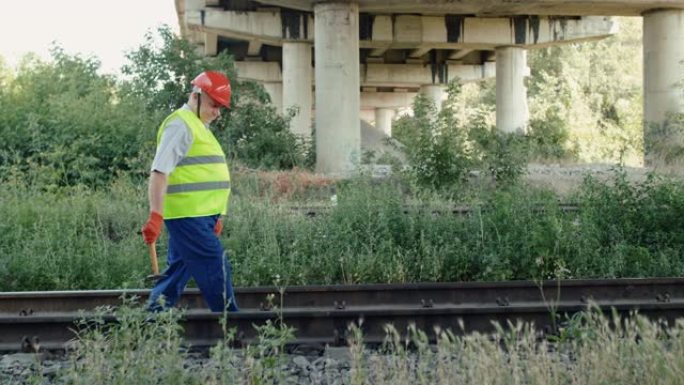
x: 317, y: 210
x: 321, y: 314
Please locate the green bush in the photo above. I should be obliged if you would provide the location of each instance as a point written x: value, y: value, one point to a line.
x: 634, y: 226
x: 664, y: 143
x: 63, y: 124
x: 549, y: 138
x: 441, y: 150
x: 435, y: 145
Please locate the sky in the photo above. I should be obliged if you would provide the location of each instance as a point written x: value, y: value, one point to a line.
x: 105, y: 29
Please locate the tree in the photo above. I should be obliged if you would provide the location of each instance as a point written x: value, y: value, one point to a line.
x: 592, y: 91
x: 63, y: 124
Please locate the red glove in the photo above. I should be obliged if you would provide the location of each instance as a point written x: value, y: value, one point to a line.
x: 152, y: 227
x: 218, y: 227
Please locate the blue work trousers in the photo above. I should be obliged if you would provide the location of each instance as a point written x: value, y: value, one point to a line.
x: 195, y: 251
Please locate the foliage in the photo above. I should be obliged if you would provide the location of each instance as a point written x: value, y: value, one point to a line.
x: 64, y: 124
x: 434, y: 142
x: 605, y: 350
x: 258, y: 137
x: 159, y: 71
x: 593, y: 92
x: 71, y: 238
x: 503, y: 155
x: 127, y: 344
x: 374, y: 233
x: 549, y: 129
x: 664, y: 143
x: 593, y: 349
x: 585, y: 99
x: 632, y: 225
x: 441, y: 150
x: 137, y: 348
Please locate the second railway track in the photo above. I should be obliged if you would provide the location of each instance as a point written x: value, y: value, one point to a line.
x: 321, y: 314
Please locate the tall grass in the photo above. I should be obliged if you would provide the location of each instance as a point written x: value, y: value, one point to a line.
x: 598, y: 349
x: 75, y: 238
x: 638, y: 351
x: 72, y: 238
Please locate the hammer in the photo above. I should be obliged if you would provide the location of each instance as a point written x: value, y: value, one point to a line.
x: 155, y: 265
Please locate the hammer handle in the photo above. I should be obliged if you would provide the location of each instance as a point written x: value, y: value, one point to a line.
x: 153, y: 258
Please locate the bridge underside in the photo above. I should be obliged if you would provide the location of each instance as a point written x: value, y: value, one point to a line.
x: 480, y: 8
x: 367, y: 58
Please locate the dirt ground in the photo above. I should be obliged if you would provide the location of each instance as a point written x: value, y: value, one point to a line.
x: 565, y: 178
x: 562, y: 178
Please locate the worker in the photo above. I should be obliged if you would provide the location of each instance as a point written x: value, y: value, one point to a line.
x: 189, y: 188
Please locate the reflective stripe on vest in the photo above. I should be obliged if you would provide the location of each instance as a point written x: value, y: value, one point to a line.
x: 190, y: 160
x: 200, y: 183
x: 202, y: 186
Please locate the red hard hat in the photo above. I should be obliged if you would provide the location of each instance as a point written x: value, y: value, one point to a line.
x: 215, y: 84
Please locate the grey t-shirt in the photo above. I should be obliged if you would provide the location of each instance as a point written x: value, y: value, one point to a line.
x: 174, y: 145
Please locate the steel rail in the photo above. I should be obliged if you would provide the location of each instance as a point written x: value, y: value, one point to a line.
x: 321, y: 314
x: 500, y: 293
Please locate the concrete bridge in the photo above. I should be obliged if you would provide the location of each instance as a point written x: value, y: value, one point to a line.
x: 338, y: 61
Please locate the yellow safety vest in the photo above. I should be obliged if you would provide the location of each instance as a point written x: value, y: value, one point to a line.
x: 200, y: 184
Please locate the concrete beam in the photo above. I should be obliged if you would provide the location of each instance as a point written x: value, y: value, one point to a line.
x: 268, y: 72
x: 254, y: 48
x: 460, y: 54
x: 499, y: 7
x: 380, y: 75
x: 377, y: 52
x: 455, y: 32
x: 390, y: 100
x: 412, y: 75
x: 419, y: 52
x: 190, y: 5
x: 414, y: 31
x: 263, y: 26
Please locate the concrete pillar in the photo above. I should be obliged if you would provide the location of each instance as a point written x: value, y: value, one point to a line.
x: 297, y: 77
x: 275, y: 91
x: 338, y: 130
x: 663, y: 42
x: 210, y: 44
x: 511, y: 95
x: 434, y: 92
x: 383, y: 120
